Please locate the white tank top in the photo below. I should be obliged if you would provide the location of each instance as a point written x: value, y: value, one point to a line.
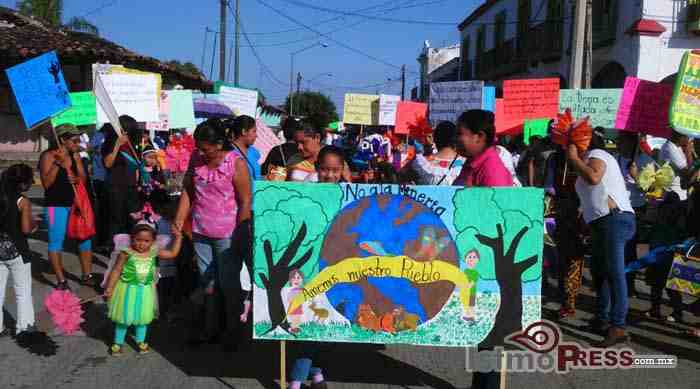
x: 594, y: 198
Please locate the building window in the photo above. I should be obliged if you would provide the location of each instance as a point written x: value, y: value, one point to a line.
x: 604, y: 22
x: 524, y: 11
x: 466, y: 71
x: 693, y: 15
x: 499, y: 35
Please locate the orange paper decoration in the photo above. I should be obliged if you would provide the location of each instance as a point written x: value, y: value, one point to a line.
x: 567, y: 131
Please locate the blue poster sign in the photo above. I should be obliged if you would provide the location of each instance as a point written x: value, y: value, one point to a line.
x: 39, y: 88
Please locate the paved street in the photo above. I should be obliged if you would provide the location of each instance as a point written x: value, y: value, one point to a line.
x: 83, y: 362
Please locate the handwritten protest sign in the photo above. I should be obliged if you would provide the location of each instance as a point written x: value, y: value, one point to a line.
x: 504, y: 126
x: 599, y: 104
x: 387, y: 109
x: 449, y: 99
x: 39, y: 88
x: 395, y: 264
x: 240, y: 101
x: 163, y: 123
x: 132, y: 93
x: 530, y: 99
x: 685, y: 105
x: 83, y: 110
x: 644, y: 107
x: 489, y: 99
x: 361, y: 109
x: 408, y: 114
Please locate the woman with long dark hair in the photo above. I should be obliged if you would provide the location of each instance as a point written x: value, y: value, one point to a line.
x: 217, y: 192
x: 16, y: 214
x: 606, y: 207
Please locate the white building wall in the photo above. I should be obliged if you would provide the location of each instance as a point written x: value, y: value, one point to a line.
x: 647, y: 57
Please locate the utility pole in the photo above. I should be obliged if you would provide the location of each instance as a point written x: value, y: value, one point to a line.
x: 237, y: 64
x: 577, y: 45
x: 222, y: 43
x: 588, y: 46
x: 403, y: 82
x: 299, y: 78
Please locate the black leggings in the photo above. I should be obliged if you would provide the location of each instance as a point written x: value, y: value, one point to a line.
x: 122, y: 202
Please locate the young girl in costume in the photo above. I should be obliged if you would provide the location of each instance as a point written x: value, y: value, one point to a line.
x: 131, y: 290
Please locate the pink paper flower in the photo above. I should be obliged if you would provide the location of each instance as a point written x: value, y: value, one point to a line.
x: 66, y: 312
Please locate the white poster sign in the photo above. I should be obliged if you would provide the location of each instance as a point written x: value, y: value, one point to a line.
x: 387, y: 109
x: 449, y: 99
x: 135, y: 95
x: 241, y: 101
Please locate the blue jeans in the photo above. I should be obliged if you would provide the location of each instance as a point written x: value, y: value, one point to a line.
x: 610, y: 235
x: 210, y: 252
x: 302, y: 370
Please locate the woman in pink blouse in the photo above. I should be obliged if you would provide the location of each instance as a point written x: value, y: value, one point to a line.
x: 217, y: 192
x: 476, y: 140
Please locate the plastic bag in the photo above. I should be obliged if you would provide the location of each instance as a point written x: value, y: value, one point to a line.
x: 81, y: 221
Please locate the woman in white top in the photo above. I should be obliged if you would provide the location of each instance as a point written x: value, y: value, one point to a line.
x: 446, y: 165
x: 606, y: 207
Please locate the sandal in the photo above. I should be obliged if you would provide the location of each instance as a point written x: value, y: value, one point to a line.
x: 116, y: 350
x: 62, y: 285
x: 88, y: 280
x: 144, y: 348
x: 566, y: 312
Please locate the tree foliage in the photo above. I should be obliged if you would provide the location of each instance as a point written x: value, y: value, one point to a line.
x: 186, y: 67
x: 316, y: 107
x: 51, y: 13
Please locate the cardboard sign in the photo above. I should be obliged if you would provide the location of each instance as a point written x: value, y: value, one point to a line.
x: 599, y: 104
x: 181, y: 109
x: 408, y: 114
x: 241, y: 101
x: 530, y: 99
x: 685, y: 105
x: 644, y: 107
x: 448, y: 100
x: 265, y: 140
x: 489, y: 99
x: 39, y: 88
x: 132, y: 93
x: 537, y: 127
x: 503, y: 126
x: 421, y: 265
x: 163, y: 123
x: 361, y: 109
x: 83, y: 110
x: 387, y: 109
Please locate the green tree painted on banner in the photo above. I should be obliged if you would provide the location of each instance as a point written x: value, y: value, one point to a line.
x: 509, y: 239
x: 290, y: 225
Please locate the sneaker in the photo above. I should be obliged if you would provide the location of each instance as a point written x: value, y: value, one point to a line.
x: 116, y: 350
x: 62, y: 285
x: 655, y: 314
x: 144, y: 348
x: 676, y: 317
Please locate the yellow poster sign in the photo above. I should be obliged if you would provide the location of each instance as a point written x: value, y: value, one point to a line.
x: 356, y: 269
x: 361, y: 109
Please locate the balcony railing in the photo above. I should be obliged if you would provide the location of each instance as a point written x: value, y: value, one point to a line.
x: 544, y: 42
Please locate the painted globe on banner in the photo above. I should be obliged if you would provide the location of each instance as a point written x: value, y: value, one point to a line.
x: 388, y: 225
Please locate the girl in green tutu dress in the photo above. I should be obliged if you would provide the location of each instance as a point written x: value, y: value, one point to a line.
x: 132, y: 286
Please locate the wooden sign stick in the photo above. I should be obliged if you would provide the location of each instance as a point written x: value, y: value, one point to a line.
x: 283, y: 364
x: 504, y: 369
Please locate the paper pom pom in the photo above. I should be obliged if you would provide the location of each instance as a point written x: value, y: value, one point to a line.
x: 66, y: 312
x: 567, y: 131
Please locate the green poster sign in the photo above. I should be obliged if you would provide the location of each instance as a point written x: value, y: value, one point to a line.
x: 536, y: 127
x: 83, y: 111
x: 601, y: 105
x: 181, y: 113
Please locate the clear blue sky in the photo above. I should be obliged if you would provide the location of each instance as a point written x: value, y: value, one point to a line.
x: 175, y: 29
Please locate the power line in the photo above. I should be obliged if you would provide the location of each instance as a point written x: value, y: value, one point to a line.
x: 266, y: 70
x: 322, y: 22
x: 100, y: 8
x: 371, y: 17
x: 327, y: 36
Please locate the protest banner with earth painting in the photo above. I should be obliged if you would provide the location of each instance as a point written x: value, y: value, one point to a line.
x: 443, y: 266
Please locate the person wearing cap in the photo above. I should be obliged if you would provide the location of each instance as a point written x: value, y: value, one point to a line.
x: 60, y: 167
